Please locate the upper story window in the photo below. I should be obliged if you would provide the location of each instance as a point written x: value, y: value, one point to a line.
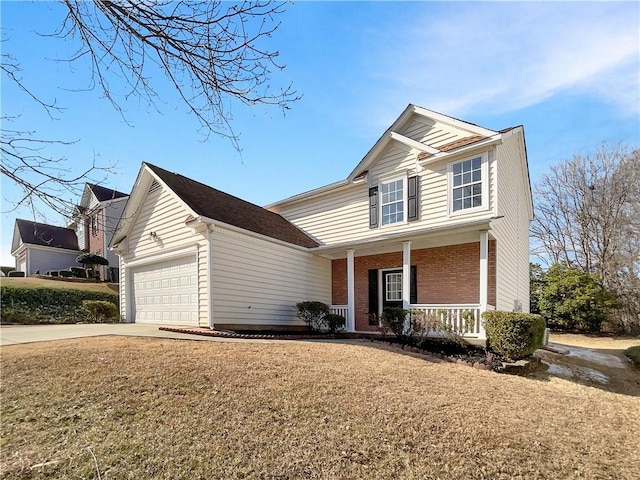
x: 392, y: 202
x: 468, y: 185
x: 94, y: 224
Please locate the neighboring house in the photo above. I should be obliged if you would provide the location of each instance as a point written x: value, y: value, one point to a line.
x: 38, y: 247
x: 94, y: 221
x: 435, y: 218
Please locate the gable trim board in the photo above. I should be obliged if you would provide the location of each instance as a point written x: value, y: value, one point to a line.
x: 253, y: 264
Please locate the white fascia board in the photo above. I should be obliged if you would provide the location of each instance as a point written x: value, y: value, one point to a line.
x: 200, y: 220
x: 138, y: 194
x: 411, y: 143
x: 309, y: 194
x: 42, y: 247
x: 382, y: 142
x: 19, y: 249
x: 496, y: 139
x: 454, y: 122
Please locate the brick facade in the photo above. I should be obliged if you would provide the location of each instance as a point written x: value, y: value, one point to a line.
x: 96, y: 240
x: 445, y: 275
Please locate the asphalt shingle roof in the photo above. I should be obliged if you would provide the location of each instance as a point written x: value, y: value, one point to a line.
x: 35, y: 233
x: 103, y: 194
x: 217, y: 205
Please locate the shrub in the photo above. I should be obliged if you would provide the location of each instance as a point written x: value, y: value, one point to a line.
x: 334, y: 322
x: 78, y: 272
x: 514, y: 335
x: 633, y: 354
x: 100, y: 310
x: 46, y: 305
x: 572, y: 299
x: 16, y: 273
x: 312, y: 313
x: 393, y: 319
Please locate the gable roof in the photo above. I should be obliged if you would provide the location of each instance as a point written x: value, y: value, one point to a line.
x: 103, y: 194
x: 214, y: 204
x: 34, y: 233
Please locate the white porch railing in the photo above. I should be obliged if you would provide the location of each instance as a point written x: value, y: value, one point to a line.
x: 462, y: 318
x: 340, y: 310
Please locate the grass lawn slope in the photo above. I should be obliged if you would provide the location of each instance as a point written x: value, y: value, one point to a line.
x: 166, y: 409
x: 33, y: 282
x: 45, y: 301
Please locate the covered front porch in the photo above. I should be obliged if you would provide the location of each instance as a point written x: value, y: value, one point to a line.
x: 444, y: 277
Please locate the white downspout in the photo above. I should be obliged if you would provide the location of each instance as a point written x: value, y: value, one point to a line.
x: 210, y: 277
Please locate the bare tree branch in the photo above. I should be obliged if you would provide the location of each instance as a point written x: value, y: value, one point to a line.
x: 212, y: 53
x: 588, y: 217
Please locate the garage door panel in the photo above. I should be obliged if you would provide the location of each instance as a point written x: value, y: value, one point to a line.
x: 166, y: 292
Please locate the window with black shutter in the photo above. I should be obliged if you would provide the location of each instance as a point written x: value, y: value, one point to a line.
x: 373, y: 207
x: 412, y: 198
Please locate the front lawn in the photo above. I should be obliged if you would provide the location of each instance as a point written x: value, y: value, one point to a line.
x: 155, y: 408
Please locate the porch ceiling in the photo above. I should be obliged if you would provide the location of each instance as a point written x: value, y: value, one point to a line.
x: 420, y: 239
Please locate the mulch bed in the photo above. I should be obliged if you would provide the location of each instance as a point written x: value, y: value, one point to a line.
x: 469, y: 355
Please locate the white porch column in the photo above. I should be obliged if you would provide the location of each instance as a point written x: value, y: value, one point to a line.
x: 484, y: 276
x: 351, y: 292
x: 406, y: 274
x: 484, y: 270
x: 406, y: 280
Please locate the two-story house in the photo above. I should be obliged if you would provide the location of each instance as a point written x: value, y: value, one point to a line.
x: 94, y: 221
x: 435, y: 217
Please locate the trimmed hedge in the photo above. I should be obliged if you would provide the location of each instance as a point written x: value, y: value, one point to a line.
x: 101, y: 310
x: 514, y: 335
x: 633, y: 354
x: 313, y: 313
x: 47, y: 305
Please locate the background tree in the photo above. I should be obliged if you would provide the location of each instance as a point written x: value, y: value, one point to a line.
x: 213, y: 53
x: 588, y: 217
x: 572, y: 299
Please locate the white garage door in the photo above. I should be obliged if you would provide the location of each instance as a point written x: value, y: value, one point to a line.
x: 166, y: 293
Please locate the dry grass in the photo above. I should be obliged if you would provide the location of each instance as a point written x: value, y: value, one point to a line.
x: 153, y: 408
x: 33, y: 282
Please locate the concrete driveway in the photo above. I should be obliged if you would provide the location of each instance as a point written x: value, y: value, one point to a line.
x: 16, y: 334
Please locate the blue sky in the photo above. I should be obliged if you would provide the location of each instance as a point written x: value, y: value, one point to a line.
x: 568, y: 72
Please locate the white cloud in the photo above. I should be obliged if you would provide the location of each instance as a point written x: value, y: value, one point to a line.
x: 506, y: 56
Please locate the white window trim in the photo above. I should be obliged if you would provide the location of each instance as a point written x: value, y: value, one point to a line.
x: 405, y: 201
x: 484, y: 172
x: 386, y: 296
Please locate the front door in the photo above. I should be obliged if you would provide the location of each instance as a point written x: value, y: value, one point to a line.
x: 391, y: 288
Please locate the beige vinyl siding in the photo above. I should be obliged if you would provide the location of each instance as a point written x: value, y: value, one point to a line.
x: 432, y: 133
x: 512, y: 232
x: 342, y: 215
x: 162, y: 213
x: 257, y: 282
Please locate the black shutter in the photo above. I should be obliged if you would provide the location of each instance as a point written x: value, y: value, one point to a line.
x: 373, y: 297
x: 373, y: 207
x: 413, y: 285
x: 412, y: 198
